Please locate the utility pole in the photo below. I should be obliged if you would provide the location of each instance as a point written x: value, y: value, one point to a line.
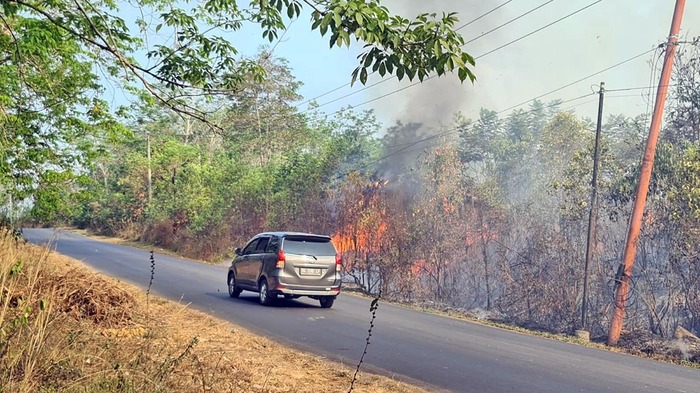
x: 148, y: 155
x: 593, y: 212
x: 623, y: 283
x: 11, y: 211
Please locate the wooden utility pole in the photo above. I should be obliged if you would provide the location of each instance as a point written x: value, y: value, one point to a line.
x: 593, y: 212
x: 623, y: 283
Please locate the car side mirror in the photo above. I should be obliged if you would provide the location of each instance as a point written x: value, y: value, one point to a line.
x: 237, y: 250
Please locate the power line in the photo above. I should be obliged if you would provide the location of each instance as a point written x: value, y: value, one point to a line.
x: 543, y: 27
x: 394, y: 77
x: 652, y: 77
x: 524, y: 102
x: 579, y: 80
x: 431, y: 77
x: 509, y: 22
x: 483, y: 15
x: 640, y: 88
x: 476, y: 58
x: 537, y: 97
x: 384, y: 80
x: 458, y: 128
x: 596, y: 100
x: 411, y: 146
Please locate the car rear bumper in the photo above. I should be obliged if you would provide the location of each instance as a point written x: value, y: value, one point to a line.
x: 306, y: 292
x: 278, y: 286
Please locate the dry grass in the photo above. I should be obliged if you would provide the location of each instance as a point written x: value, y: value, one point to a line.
x: 66, y: 328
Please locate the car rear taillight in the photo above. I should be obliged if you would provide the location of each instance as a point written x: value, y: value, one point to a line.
x: 280, y: 260
x: 338, y: 262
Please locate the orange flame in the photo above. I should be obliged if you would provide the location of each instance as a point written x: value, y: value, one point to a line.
x: 360, y: 239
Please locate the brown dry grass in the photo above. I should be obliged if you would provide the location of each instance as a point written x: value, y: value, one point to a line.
x: 65, y: 328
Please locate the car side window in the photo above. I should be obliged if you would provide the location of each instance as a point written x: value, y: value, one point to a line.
x: 262, y: 244
x: 250, y: 248
x: 272, y: 245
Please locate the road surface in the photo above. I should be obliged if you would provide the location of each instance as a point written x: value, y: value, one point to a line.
x: 441, y: 353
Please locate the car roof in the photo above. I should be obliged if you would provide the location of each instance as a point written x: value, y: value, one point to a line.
x: 289, y: 233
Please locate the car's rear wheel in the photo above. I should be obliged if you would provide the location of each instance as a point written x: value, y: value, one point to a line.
x: 327, y: 301
x: 266, y: 297
x: 233, y: 289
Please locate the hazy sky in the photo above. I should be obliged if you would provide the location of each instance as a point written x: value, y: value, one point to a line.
x: 605, y: 34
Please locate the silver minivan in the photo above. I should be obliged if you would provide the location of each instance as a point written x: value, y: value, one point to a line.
x: 291, y: 264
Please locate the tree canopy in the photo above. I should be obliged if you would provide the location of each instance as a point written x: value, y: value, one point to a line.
x: 56, y: 56
x: 201, y: 58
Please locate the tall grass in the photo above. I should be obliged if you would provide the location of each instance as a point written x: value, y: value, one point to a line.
x: 25, y: 315
x: 62, y: 329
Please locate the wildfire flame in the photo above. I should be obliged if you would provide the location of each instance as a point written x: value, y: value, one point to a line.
x: 360, y: 239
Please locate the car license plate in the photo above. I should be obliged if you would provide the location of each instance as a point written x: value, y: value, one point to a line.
x: 305, y: 271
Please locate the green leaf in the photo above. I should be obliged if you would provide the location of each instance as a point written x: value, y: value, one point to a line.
x: 411, y: 73
x: 462, y: 73
x: 359, y: 18
x: 337, y: 19
x: 17, y: 268
x: 354, y: 75
x: 400, y: 72
x: 368, y: 59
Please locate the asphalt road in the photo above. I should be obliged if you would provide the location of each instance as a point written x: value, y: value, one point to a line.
x: 442, y: 353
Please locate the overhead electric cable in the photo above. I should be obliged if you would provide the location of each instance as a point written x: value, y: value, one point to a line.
x: 537, y: 97
x: 476, y: 58
x: 579, y: 80
x: 430, y: 77
x: 393, y: 77
x: 542, y: 28
x: 638, y: 88
x: 508, y: 22
x: 412, y: 146
x: 483, y: 15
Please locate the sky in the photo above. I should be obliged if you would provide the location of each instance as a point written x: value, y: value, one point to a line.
x: 604, y: 34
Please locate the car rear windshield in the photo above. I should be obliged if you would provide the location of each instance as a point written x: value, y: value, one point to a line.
x: 306, y: 245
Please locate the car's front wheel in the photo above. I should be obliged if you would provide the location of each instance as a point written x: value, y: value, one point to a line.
x: 233, y: 289
x: 327, y: 301
x: 266, y: 297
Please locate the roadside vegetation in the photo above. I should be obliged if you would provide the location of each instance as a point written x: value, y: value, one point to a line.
x: 66, y: 328
x: 487, y: 215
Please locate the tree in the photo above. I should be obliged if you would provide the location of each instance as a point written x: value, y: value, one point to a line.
x: 684, y: 111
x: 440, y: 222
x: 477, y: 142
x: 50, y: 119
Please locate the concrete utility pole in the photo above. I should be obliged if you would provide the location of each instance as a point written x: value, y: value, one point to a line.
x: 11, y: 211
x: 623, y: 285
x: 148, y: 154
x: 593, y: 212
